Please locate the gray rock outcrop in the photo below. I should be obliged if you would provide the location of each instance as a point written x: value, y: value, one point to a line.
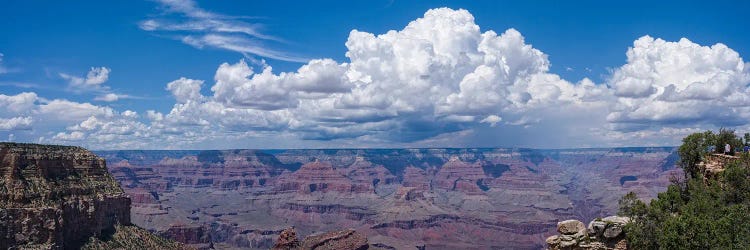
x: 601, y: 234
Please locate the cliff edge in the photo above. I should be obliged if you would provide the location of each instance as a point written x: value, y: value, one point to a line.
x: 55, y: 197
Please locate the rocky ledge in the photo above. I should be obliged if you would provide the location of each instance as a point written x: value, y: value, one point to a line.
x: 340, y: 240
x: 601, y: 234
x: 55, y: 197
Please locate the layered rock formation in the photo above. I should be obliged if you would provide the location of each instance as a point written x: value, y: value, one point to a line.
x: 456, y: 175
x: 317, y: 177
x: 335, y: 240
x: 398, y: 198
x: 54, y: 197
x: 601, y: 234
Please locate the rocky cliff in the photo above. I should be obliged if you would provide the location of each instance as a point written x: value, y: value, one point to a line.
x: 54, y: 197
x: 601, y: 234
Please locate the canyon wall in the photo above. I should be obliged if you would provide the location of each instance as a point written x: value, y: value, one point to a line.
x: 55, y: 197
x: 397, y: 198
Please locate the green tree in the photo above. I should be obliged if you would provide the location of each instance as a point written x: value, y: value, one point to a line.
x: 736, y: 180
x: 695, y: 213
x: 727, y: 136
x: 692, y: 150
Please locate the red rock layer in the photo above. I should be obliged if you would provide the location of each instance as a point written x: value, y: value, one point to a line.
x: 456, y: 175
x: 318, y: 177
x: 367, y: 176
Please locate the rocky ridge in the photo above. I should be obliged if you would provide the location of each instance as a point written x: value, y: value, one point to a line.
x: 601, y: 234
x: 55, y: 197
x: 348, y: 239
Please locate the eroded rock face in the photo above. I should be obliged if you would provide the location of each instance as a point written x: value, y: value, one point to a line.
x: 287, y: 240
x: 399, y: 198
x: 601, y: 234
x: 317, y: 177
x: 337, y: 240
x: 459, y: 176
x: 59, y: 197
x: 348, y: 239
x: 56, y: 196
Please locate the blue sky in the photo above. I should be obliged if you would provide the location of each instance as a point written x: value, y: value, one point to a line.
x: 133, y: 49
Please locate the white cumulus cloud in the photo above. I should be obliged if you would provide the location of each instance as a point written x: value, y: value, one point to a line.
x: 97, y: 75
x: 492, y: 120
x: 439, y: 81
x: 64, y: 110
x: 185, y: 89
x: 438, y: 74
x: 93, y: 80
x: 680, y: 83
x: 22, y: 103
x: 16, y: 123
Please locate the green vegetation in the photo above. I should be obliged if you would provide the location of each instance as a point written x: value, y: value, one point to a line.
x: 695, y: 147
x: 695, y: 213
x: 131, y: 237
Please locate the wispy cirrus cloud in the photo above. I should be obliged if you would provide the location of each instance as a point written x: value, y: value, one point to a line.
x: 23, y: 85
x: 185, y: 21
x: 113, y: 97
x: 239, y: 44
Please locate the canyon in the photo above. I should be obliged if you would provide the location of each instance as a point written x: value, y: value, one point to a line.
x: 480, y: 198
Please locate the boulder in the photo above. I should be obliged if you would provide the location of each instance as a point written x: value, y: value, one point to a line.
x: 601, y: 234
x: 617, y: 220
x: 596, y: 227
x: 570, y: 227
x: 567, y: 244
x: 614, y: 226
x: 612, y: 231
x: 553, y: 240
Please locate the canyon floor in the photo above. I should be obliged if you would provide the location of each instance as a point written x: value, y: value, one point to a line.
x: 508, y: 198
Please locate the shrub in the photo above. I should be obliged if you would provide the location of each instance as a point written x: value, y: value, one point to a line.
x: 695, y: 213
